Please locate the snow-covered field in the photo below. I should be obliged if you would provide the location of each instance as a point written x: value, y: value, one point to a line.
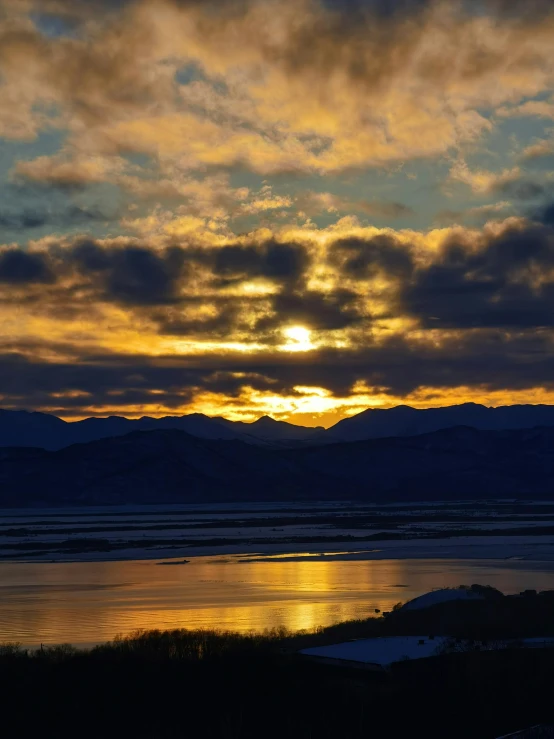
x: 485, y: 530
x: 382, y: 652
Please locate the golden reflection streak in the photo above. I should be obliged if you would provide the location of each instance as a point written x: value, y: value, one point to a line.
x: 90, y: 602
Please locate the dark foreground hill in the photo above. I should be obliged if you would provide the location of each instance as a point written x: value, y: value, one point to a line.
x: 174, y: 467
x: 221, y: 685
x: 147, y: 467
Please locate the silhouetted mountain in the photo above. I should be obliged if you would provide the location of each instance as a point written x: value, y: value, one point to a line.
x: 21, y: 428
x: 197, y: 424
x: 403, y: 420
x: 271, y: 430
x: 172, y: 466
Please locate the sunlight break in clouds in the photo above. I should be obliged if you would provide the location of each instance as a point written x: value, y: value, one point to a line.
x: 297, y: 339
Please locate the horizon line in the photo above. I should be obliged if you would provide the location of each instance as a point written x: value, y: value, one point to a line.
x: 134, y: 417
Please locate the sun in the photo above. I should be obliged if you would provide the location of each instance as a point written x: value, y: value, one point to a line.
x: 298, y: 339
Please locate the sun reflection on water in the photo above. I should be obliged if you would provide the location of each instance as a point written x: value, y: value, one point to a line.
x: 91, y: 602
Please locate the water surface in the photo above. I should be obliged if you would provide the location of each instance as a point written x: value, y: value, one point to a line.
x: 90, y: 602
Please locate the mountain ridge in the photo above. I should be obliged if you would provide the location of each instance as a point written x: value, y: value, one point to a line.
x: 36, y: 429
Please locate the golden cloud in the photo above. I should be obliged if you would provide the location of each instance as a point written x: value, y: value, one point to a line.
x: 288, y: 86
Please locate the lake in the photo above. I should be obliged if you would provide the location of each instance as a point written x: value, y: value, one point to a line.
x: 90, y: 602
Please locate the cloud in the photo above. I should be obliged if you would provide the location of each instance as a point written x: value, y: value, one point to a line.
x: 460, y: 307
x: 285, y: 263
x: 512, y: 182
x: 483, y: 181
x: 266, y: 200
x: 532, y: 108
x: 361, y: 259
x: 39, y: 217
x: 489, y: 210
x: 223, y: 128
x: 129, y: 273
x: 314, y: 203
x: 482, y: 364
x: 67, y: 172
x: 315, y: 310
x: 287, y: 86
x: 538, y: 150
x: 17, y: 268
x: 544, y: 214
x: 506, y: 283
x: 133, y: 275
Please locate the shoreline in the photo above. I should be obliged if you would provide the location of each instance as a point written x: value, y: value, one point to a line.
x: 512, y: 550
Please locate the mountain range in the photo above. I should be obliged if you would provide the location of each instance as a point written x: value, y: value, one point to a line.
x: 171, y: 466
x: 31, y: 429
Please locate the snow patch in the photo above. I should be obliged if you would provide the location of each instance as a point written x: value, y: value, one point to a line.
x: 440, y: 596
x: 384, y: 651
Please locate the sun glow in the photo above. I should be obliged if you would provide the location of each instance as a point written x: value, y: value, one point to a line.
x: 298, y: 339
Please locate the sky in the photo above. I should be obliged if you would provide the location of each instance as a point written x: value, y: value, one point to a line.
x: 300, y: 208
